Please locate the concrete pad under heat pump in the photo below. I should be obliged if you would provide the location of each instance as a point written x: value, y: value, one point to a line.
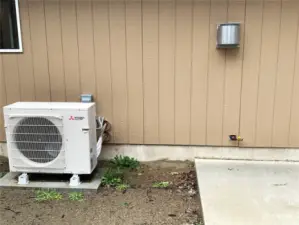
x: 89, y: 183
x: 237, y: 192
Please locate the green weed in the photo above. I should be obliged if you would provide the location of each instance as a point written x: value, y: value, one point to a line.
x: 47, y: 195
x: 122, y: 187
x: 112, y: 177
x: 164, y: 184
x: 76, y: 196
x: 124, y: 162
x: 125, y: 204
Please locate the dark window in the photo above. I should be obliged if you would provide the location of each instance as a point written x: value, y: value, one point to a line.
x: 9, y: 37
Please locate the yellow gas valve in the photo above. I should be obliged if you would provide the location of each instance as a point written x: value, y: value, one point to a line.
x: 234, y: 137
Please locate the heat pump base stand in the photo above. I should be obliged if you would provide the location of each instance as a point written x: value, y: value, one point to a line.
x: 75, y: 180
x: 23, y: 179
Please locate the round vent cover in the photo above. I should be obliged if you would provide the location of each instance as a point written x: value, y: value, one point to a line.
x: 38, y: 139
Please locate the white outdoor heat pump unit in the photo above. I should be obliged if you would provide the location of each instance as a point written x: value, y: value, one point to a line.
x: 44, y: 137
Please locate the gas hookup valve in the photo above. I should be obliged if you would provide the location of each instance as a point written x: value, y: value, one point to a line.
x: 234, y: 137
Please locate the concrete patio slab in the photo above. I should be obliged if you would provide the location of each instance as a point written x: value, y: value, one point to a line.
x: 89, y: 183
x: 237, y: 192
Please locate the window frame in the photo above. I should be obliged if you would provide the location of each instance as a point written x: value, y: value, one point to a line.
x: 20, y: 49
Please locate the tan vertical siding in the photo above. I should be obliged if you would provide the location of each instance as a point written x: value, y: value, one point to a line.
x: 216, y: 76
x: 294, y: 118
x: 268, y: 72
x: 39, y: 50
x: 70, y: 49
x: 285, y: 73
x: 233, y: 77
x: 86, y: 47
x: 12, y: 83
x: 200, y: 62
x: 25, y: 63
x: 2, y: 98
x: 150, y: 11
x: 155, y: 72
x: 166, y: 71
x: 251, y: 68
x: 183, y: 54
x: 117, y: 13
x: 55, y: 56
x: 134, y: 70
x: 102, y: 58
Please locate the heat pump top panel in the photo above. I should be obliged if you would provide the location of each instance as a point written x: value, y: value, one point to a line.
x: 50, y: 106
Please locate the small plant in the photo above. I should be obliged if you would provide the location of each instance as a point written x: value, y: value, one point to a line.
x: 47, y: 195
x: 76, y: 196
x: 164, y: 184
x: 2, y: 174
x: 122, y: 187
x: 125, y: 204
x: 124, y: 162
x: 112, y: 177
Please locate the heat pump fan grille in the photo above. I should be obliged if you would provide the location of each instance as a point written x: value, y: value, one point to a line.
x: 38, y: 139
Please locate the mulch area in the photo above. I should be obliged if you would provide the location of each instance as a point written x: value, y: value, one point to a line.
x: 141, y: 204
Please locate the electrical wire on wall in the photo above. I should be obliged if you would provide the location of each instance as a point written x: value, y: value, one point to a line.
x: 103, y: 129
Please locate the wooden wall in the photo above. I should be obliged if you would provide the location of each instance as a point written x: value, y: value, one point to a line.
x: 155, y: 73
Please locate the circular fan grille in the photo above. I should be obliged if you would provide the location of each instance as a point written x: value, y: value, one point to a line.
x: 38, y: 139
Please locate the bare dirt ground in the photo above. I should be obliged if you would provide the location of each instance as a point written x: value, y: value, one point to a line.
x: 139, y: 205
